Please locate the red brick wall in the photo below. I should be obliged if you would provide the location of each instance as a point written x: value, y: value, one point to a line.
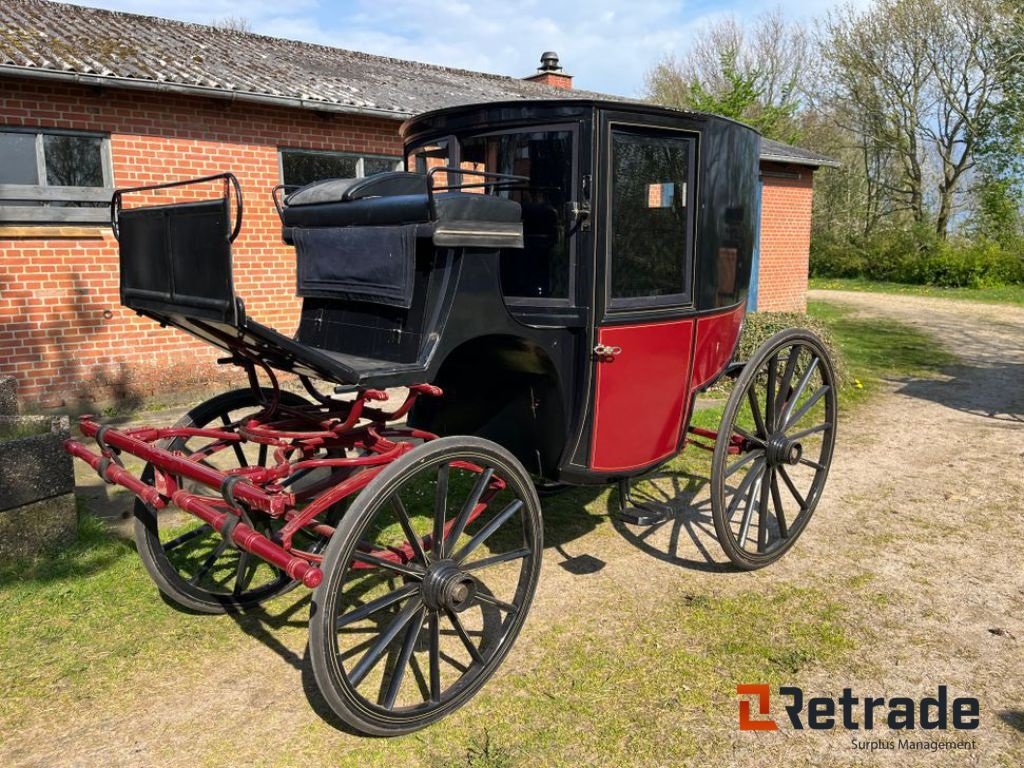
x: 785, y: 237
x: 63, y: 333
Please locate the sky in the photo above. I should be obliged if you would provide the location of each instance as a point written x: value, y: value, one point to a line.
x: 607, y: 45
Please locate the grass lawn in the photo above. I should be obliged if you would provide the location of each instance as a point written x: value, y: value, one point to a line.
x: 85, y: 631
x: 1005, y: 294
x: 876, y: 349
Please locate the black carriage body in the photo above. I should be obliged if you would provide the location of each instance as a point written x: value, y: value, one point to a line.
x: 638, y: 227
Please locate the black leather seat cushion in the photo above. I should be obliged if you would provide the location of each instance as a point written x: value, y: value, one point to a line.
x: 342, y: 190
x: 394, y: 210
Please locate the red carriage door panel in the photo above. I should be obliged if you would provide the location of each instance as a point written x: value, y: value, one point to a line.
x: 641, y: 394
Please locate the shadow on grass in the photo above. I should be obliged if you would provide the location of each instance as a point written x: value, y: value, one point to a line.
x: 688, y: 521
x: 97, y: 549
x: 1013, y: 718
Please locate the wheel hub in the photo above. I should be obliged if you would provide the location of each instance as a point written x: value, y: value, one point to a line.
x: 447, y: 587
x: 781, y: 450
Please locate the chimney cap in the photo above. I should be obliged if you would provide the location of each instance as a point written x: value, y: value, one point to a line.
x: 549, y: 62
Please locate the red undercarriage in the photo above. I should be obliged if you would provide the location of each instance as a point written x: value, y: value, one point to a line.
x: 350, y: 439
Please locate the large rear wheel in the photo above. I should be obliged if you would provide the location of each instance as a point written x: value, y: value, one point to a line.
x: 191, y: 563
x: 774, y: 448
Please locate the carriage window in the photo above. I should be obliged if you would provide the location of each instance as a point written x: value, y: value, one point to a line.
x: 300, y: 167
x: 542, y: 269
x: 650, y: 219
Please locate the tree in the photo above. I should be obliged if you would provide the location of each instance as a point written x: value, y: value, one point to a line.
x: 915, y: 81
x: 234, y: 24
x: 754, y: 74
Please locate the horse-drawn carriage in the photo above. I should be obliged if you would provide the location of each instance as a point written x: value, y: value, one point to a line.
x: 552, y: 283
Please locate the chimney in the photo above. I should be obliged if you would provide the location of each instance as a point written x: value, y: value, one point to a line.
x: 550, y: 72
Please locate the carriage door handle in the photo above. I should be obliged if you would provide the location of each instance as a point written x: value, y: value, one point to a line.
x: 605, y: 353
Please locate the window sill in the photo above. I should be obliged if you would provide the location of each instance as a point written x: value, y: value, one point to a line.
x: 52, y: 232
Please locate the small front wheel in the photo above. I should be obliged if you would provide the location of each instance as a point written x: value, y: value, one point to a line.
x: 427, y: 583
x: 774, y: 448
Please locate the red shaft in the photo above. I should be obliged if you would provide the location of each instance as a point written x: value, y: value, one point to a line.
x: 249, y: 540
x: 176, y: 465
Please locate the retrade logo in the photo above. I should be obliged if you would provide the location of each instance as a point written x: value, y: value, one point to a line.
x: 762, y: 696
x: 899, y: 713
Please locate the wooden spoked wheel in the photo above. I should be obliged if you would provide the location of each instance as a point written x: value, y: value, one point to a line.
x: 427, y: 583
x: 191, y: 563
x: 774, y: 448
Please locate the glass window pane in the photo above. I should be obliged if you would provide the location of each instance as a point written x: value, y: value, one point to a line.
x: 372, y: 165
x: 301, y: 168
x: 18, y: 158
x: 541, y: 269
x: 73, y: 161
x: 649, y: 216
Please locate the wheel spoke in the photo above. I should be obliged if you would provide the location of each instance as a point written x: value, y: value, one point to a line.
x: 792, y: 488
x: 492, y: 600
x: 235, y: 446
x: 208, y: 563
x: 814, y: 464
x: 391, y: 565
x: 782, y: 397
x: 795, y: 418
x: 440, y: 512
x: 741, y: 491
x: 749, y: 512
x: 412, y: 634
x: 780, y: 514
x: 474, y: 652
x: 373, y: 656
x: 762, y: 514
x: 747, y: 436
x: 487, y: 530
x: 244, y: 573
x: 467, y: 509
x: 515, y: 554
x: 755, y: 409
x: 410, y: 534
x: 769, y: 400
x: 378, y: 604
x: 202, y: 530
x: 801, y: 386
x: 812, y: 431
x: 435, y: 658
x: 739, y: 463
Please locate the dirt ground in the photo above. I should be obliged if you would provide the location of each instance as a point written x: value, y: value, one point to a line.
x: 925, y: 502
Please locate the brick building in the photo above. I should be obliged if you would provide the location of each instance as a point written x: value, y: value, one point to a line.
x: 92, y: 99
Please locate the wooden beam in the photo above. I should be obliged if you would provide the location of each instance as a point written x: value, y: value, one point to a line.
x: 26, y: 215
x: 52, y: 232
x: 55, y: 194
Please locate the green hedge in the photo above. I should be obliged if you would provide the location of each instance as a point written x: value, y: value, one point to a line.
x: 916, y: 257
x: 760, y: 326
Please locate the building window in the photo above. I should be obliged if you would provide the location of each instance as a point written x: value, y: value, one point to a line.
x: 300, y: 167
x: 54, y: 177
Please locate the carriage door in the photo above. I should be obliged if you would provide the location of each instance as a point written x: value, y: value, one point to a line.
x: 644, y: 342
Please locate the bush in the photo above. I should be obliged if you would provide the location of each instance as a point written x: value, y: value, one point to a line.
x: 760, y: 326
x: 916, y: 256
